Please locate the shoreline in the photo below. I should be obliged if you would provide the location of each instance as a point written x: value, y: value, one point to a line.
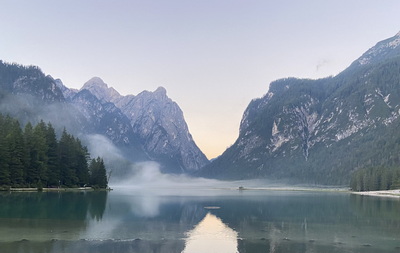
x: 301, y: 189
x: 74, y: 189
x: 50, y: 189
x: 387, y: 193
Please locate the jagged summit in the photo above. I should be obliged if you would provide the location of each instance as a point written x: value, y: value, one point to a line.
x: 95, y: 81
x: 158, y: 122
x: 148, y: 126
x: 161, y: 92
x: 101, y: 90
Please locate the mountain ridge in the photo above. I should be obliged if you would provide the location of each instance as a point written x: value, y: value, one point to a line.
x: 30, y: 96
x: 159, y: 124
x: 318, y: 131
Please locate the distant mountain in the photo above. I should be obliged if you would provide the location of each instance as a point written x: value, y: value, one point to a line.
x: 159, y: 125
x: 149, y: 126
x: 17, y: 79
x: 320, y: 131
x: 382, y: 51
x: 27, y: 94
x: 101, y: 90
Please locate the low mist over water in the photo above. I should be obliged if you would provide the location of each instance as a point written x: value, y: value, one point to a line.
x: 147, y: 176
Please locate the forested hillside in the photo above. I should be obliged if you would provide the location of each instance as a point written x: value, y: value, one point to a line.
x: 33, y: 157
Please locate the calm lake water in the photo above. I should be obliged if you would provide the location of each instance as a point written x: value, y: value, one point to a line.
x: 206, y: 221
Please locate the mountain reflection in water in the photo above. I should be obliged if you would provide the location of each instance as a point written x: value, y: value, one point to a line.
x: 211, y: 235
x: 211, y: 221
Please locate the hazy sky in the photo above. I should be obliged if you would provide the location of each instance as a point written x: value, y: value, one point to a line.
x: 212, y: 56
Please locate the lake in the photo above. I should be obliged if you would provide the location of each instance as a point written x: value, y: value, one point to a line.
x: 213, y: 220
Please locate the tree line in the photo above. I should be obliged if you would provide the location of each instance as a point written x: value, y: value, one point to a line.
x: 34, y: 157
x: 375, y: 179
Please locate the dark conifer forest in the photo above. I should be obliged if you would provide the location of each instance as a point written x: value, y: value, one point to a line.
x: 32, y: 156
x: 375, y: 179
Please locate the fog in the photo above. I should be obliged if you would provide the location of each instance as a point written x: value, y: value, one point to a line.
x: 101, y: 146
x: 123, y: 172
x: 147, y: 177
x: 26, y: 108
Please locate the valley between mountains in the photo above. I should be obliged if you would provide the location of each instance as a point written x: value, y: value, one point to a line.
x: 302, y: 130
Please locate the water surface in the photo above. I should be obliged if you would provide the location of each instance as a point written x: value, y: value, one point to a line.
x: 223, y: 221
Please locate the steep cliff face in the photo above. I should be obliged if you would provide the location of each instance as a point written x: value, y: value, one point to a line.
x: 320, y: 131
x: 149, y: 126
x: 158, y: 124
x: 156, y: 121
x: 104, y: 118
x: 161, y: 126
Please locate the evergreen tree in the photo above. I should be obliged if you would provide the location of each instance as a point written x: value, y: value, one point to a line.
x: 17, y: 154
x: 4, y: 155
x: 41, y: 148
x: 66, y: 149
x: 53, y: 168
x: 98, y: 174
x: 30, y: 172
x: 375, y: 178
x: 384, y: 180
x: 81, y: 155
x: 35, y: 158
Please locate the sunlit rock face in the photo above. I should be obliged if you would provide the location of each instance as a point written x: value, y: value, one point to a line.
x: 320, y: 131
x: 211, y: 235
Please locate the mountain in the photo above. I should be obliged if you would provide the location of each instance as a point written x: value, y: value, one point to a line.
x: 27, y: 94
x: 149, y: 126
x: 16, y: 79
x: 320, y: 131
x: 101, y: 90
x: 159, y: 125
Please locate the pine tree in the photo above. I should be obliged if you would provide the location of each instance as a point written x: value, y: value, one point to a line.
x: 16, y: 149
x: 81, y: 155
x: 35, y: 158
x: 4, y: 155
x: 30, y: 172
x: 53, y: 169
x: 4, y: 158
x: 41, y: 150
x: 98, y: 174
x: 66, y: 149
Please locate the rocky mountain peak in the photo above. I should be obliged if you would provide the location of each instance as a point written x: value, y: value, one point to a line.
x: 101, y: 90
x: 95, y: 82
x: 159, y: 123
x: 161, y: 91
x: 146, y: 126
